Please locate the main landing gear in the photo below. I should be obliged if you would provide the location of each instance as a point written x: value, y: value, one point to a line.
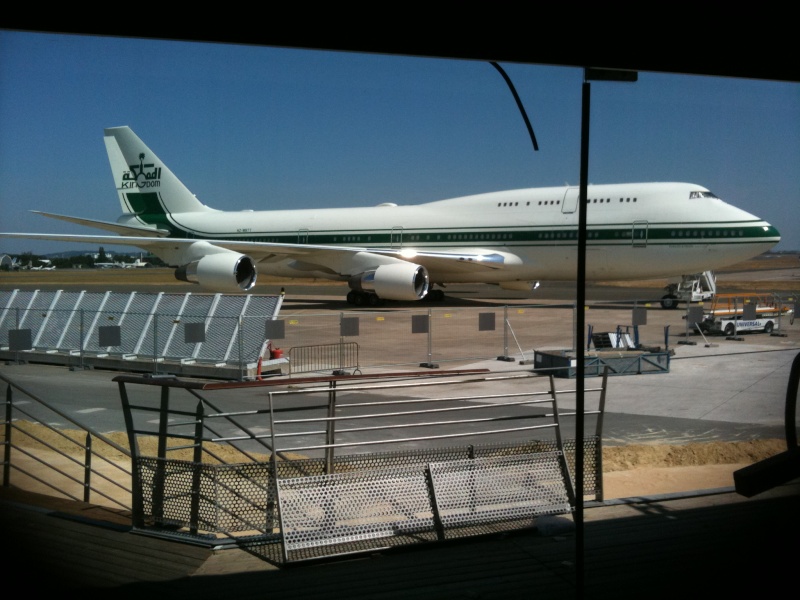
x: 359, y: 298
x: 436, y: 295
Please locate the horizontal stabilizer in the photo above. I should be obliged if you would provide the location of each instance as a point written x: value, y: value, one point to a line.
x: 118, y: 228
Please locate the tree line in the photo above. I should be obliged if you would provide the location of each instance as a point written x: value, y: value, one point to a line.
x: 78, y: 261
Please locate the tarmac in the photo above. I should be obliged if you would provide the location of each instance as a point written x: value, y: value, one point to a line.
x: 706, y: 542
x: 713, y: 541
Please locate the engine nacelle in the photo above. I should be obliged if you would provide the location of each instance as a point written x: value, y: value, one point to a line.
x: 222, y: 272
x: 399, y: 281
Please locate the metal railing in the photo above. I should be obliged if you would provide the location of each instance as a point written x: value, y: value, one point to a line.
x: 428, y: 336
x: 47, y: 454
x: 328, y: 357
x: 354, y: 436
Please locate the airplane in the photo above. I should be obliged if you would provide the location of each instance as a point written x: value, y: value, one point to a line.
x: 137, y: 264
x: 121, y: 265
x: 46, y: 265
x: 512, y: 239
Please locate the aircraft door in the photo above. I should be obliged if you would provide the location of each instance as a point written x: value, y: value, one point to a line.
x: 302, y: 236
x: 639, y: 234
x: 570, y: 202
x: 396, y: 242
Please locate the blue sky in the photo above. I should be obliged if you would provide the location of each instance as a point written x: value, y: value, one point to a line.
x: 260, y: 128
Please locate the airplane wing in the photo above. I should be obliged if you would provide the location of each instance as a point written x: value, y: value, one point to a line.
x: 335, y: 260
x: 460, y: 260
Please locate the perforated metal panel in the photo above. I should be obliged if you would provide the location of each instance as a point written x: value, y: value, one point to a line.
x: 58, y: 321
x: 87, y: 306
x: 353, y: 507
x: 195, y: 310
x: 110, y: 314
x: 136, y: 322
x: 5, y: 300
x: 159, y: 325
x: 341, y: 504
x: 150, y: 324
x: 233, y: 499
x: 471, y: 492
x: 223, y: 322
x: 37, y: 312
x: 592, y: 465
x: 353, y: 511
x: 22, y: 299
x: 6, y: 315
x: 592, y: 482
x: 406, y: 458
x: 259, y: 310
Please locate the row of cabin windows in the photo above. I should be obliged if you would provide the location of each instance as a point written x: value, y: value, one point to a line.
x: 541, y: 235
x: 707, y: 234
x: 557, y: 202
x: 558, y: 235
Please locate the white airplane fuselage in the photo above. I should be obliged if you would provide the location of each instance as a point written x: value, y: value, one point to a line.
x: 510, y: 238
x: 635, y: 231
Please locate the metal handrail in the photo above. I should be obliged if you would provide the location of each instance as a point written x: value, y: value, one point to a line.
x: 89, y: 451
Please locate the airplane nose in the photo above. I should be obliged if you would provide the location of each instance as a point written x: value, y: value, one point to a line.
x: 772, y: 231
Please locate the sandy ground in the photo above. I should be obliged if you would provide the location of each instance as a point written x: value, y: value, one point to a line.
x: 628, y: 471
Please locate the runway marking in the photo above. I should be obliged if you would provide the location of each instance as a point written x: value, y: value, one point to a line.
x: 86, y: 411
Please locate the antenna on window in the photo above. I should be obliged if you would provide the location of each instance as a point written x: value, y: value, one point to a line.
x: 519, y: 104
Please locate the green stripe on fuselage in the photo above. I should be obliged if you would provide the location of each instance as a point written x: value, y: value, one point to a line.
x: 669, y: 234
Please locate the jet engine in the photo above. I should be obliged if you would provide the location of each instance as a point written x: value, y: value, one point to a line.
x: 399, y: 281
x: 222, y: 272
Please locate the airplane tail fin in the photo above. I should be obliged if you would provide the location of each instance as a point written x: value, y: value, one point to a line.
x: 148, y: 190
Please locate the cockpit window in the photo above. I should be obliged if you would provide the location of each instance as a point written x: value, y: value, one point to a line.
x: 693, y: 195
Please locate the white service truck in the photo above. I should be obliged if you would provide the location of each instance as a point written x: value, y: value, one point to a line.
x: 732, y: 325
x: 729, y: 313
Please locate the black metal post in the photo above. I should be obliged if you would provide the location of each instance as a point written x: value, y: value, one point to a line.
x: 580, y: 403
x: 330, y: 428
x: 579, y: 349
x: 87, y: 469
x: 7, y: 442
x: 197, y: 469
x: 133, y: 444
x: 161, y: 473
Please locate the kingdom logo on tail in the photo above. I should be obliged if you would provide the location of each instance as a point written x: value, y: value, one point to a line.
x: 511, y: 238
